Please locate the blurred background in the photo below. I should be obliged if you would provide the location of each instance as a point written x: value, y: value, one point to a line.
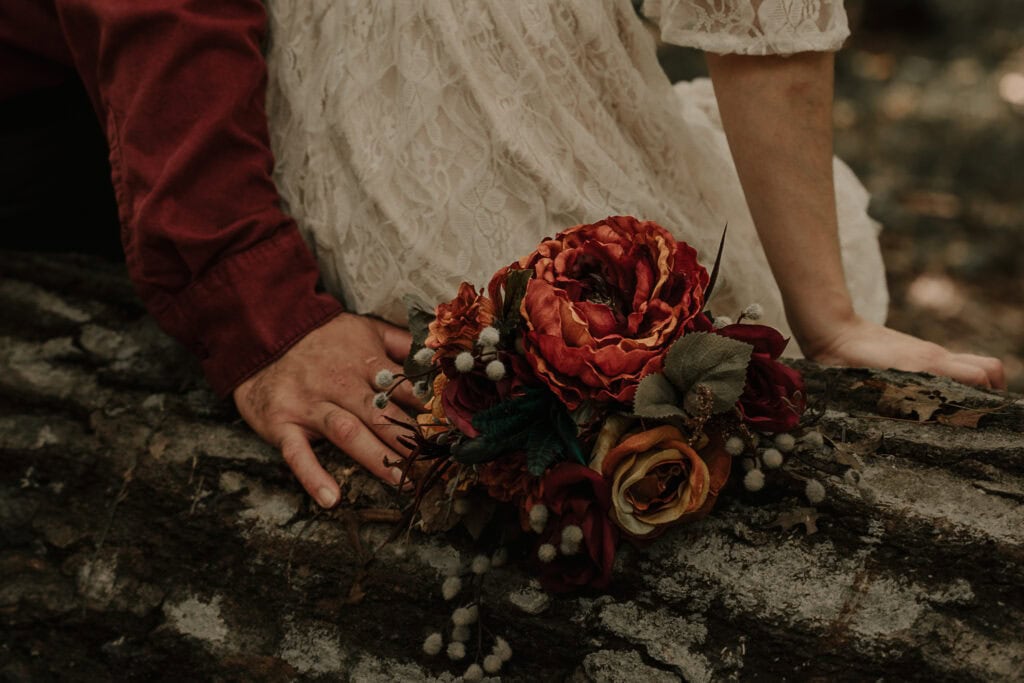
x: 929, y: 113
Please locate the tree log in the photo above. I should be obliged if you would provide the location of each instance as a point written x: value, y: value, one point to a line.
x: 147, y: 534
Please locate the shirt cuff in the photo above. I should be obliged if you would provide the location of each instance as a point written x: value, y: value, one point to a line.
x: 249, y: 309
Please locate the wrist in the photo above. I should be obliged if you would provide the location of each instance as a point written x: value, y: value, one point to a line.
x: 816, y: 325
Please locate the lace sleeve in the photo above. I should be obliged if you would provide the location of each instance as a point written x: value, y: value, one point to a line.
x: 751, y: 27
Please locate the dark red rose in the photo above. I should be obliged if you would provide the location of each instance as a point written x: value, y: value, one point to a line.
x: 774, y: 397
x: 605, y: 303
x: 576, y: 495
x: 467, y: 393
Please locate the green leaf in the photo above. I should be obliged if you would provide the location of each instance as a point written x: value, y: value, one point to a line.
x: 565, y: 427
x: 718, y: 262
x: 515, y: 290
x: 420, y: 315
x: 706, y: 358
x: 479, y: 450
x: 543, y: 448
x: 657, y: 398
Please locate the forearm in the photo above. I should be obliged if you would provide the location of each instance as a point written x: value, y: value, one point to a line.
x: 777, y: 115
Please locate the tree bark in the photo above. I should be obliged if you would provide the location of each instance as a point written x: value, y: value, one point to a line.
x: 147, y: 534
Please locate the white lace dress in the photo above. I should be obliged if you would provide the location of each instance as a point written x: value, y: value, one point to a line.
x: 421, y: 143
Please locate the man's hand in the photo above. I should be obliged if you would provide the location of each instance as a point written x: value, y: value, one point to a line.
x: 323, y: 387
x: 860, y: 343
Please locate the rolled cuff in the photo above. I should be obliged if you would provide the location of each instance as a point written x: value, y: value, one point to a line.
x: 249, y: 309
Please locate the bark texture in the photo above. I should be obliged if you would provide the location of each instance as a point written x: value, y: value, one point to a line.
x: 146, y: 534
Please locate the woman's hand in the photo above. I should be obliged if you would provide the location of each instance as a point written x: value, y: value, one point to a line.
x: 323, y: 387
x: 859, y: 343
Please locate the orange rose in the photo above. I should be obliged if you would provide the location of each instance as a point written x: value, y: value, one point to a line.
x: 604, y: 304
x: 459, y: 322
x: 658, y: 480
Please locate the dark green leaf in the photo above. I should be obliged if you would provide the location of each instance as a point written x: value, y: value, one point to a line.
x: 714, y: 270
x: 543, y: 448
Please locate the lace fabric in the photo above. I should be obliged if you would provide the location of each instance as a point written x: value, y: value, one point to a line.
x: 420, y: 144
x: 751, y: 27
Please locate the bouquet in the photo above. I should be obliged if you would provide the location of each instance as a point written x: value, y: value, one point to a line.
x: 588, y: 388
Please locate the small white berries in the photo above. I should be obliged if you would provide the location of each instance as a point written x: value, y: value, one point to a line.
x: 753, y: 312
x: 538, y: 517
x: 456, y: 650
x: 473, y: 673
x: 813, y: 439
x: 423, y: 356
x: 785, y: 442
x: 380, y: 400
x: 814, y: 491
x: 753, y: 481
x: 432, y: 644
x: 572, y: 536
x: 771, y: 458
x: 384, y: 379
x: 492, y: 664
x: 722, y: 321
x: 461, y: 617
x: 451, y: 587
x: 480, y: 564
x: 734, y: 446
x: 464, y: 361
x: 749, y: 464
x: 462, y: 634
x: 546, y: 553
x: 420, y: 389
x: 502, y: 649
x: 495, y: 370
x: 489, y: 336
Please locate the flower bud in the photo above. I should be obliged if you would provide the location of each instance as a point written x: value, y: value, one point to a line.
x: 489, y: 336
x: 462, y: 634
x: 456, y: 650
x: 451, y: 587
x: 734, y: 446
x: 754, y: 480
x: 473, y: 673
x: 546, y: 553
x: 785, y: 442
x: 492, y: 664
x: 464, y: 362
x: 480, y: 564
x: 423, y: 356
x: 495, y: 370
x: 814, y: 491
x: 380, y: 400
x: 538, y: 517
x: 432, y: 645
x: 384, y: 379
x: 722, y: 321
x: 771, y: 458
x: 753, y: 312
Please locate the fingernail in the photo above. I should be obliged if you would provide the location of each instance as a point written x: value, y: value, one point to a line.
x: 396, y: 476
x: 326, y: 497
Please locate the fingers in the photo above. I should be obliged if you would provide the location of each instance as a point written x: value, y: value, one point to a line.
x: 351, y: 435
x: 397, y: 341
x: 993, y: 368
x: 294, y: 447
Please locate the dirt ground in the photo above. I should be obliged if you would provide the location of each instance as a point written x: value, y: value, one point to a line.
x: 930, y: 114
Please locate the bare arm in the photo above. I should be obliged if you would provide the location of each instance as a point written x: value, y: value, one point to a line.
x: 777, y: 115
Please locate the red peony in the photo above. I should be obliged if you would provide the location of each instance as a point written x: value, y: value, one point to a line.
x: 774, y: 398
x: 576, y: 495
x: 605, y: 303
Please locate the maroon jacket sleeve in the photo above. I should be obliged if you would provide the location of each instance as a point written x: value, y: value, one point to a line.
x: 179, y: 86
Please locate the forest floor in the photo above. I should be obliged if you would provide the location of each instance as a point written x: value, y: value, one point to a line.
x: 929, y: 113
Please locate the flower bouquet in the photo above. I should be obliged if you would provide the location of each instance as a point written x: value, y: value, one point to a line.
x: 588, y: 388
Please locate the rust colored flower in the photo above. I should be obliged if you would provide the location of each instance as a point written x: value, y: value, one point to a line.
x: 605, y: 303
x: 459, y: 322
x: 658, y: 480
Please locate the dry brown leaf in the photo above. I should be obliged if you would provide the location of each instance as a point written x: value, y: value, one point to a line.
x: 806, y: 516
x: 436, y: 512
x: 965, y: 417
x: 910, y: 401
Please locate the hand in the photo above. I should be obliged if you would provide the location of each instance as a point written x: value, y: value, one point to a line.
x: 323, y: 387
x: 860, y: 343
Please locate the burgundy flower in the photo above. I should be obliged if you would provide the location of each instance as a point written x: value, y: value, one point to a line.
x: 605, y: 303
x: 576, y: 495
x: 774, y: 397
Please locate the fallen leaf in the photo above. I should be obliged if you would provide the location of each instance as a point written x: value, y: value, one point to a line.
x: 906, y: 402
x: 965, y: 417
x: 806, y: 516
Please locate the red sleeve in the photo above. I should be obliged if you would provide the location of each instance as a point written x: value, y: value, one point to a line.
x: 179, y: 86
